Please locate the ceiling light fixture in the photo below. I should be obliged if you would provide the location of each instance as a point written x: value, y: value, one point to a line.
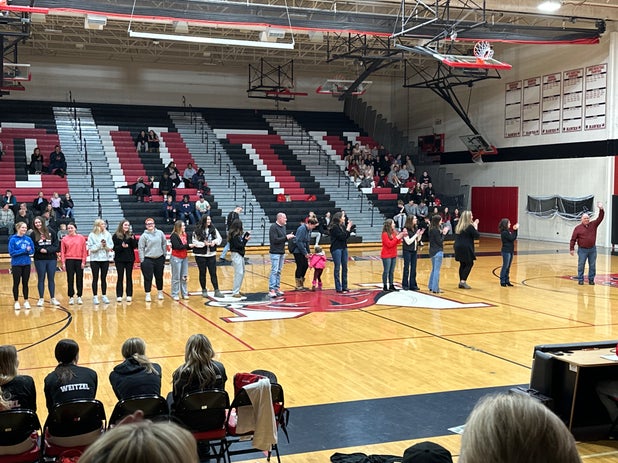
x: 549, y: 6
x: 212, y: 40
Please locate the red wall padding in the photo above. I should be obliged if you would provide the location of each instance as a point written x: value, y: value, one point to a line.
x: 491, y: 204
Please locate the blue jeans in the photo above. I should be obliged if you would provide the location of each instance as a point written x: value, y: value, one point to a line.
x: 45, y: 268
x: 507, y: 258
x: 434, y: 276
x: 226, y: 248
x: 180, y: 272
x: 276, y: 265
x: 340, y: 260
x: 409, y: 270
x: 582, y: 255
x: 388, y: 274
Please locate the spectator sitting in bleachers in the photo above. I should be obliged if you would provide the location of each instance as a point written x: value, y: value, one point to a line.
x: 366, y: 182
x: 36, y: 165
x: 417, y: 194
x: 425, y: 178
x: 166, y: 186
x: 392, y: 178
x: 50, y: 219
x: 67, y: 206
x: 400, y: 217
x: 7, y: 219
x: 39, y: 204
x: 141, y: 142
x: 411, y: 208
x: 173, y: 173
x: 423, y: 211
x: 408, y: 164
x: 403, y: 175
x: 188, y: 174
x: 24, y: 215
x: 446, y: 220
x: 199, y: 182
x: 11, y: 200
x: 56, y: 204
x: 185, y: 210
x: 153, y: 142
x: 140, y: 189
x: 57, y: 162
x: 62, y: 231
x: 169, y: 210
x: 202, y: 207
x: 411, y: 183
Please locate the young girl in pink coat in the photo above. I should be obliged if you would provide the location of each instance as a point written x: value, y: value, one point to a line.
x: 317, y: 262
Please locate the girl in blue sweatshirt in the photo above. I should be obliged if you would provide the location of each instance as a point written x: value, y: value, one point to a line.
x: 21, y: 248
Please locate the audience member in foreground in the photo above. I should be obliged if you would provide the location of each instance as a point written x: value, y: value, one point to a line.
x: 143, y: 442
x: 511, y: 428
x: 427, y: 452
x: 137, y: 375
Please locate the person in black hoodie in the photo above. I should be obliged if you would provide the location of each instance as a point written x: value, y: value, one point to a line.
x: 69, y: 381
x: 125, y: 245
x: 137, y: 375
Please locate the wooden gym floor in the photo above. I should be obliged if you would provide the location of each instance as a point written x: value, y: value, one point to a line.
x: 363, y: 372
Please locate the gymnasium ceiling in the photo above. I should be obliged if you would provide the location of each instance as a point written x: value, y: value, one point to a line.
x: 341, y: 36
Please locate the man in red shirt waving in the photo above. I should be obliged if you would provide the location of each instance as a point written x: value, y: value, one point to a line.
x: 585, y: 235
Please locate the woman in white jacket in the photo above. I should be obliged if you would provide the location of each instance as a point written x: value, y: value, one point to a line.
x: 99, y: 245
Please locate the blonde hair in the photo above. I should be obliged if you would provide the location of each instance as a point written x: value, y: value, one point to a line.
x: 143, y: 442
x: 465, y: 220
x: 135, y: 348
x: 512, y: 428
x: 96, y: 227
x: 8, y: 371
x: 198, y: 363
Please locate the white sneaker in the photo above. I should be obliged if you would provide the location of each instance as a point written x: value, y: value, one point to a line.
x: 105, y: 299
x: 17, y: 306
x: 71, y: 301
x: 79, y: 300
x: 26, y: 305
x: 186, y: 296
x: 40, y: 302
x: 129, y: 298
x: 147, y: 297
x: 176, y: 298
x: 95, y: 300
x: 118, y: 299
x: 160, y: 296
x: 54, y: 301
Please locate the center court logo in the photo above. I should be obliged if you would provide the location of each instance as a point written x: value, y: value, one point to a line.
x: 295, y: 304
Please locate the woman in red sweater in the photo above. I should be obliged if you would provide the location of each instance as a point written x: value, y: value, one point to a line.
x: 390, y: 243
x: 73, y: 254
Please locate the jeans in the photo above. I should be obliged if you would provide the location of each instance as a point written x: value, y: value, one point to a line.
x: 276, y: 265
x: 46, y: 267
x: 207, y: 264
x: 388, y: 274
x: 75, y: 274
x: 317, y: 235
x: 238, y: 263
x: 409, y: 270
x: 180, y: 272
x: 340, y: 260
x: 226, y: 248
x: 507, y: 258
x: 124, y: 268
x: 434, y: 276
x: 95, y: 266
x: 153, y: 267
x: 582, y: 255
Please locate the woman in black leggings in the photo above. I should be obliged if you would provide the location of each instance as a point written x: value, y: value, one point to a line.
x: 21, y: 247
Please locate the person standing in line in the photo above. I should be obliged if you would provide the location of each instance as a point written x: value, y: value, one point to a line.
x: 152, y: 247
x: 277, y: 236
x: 436, y: 252
x: 410, y: 253
x: 21, y: 248
x: 99, y: 244
x: 302, y: 252
x: 465, y: 234
x: 317, y: 261
x: 179, y: 261
x: 238, y: 240
x: 46, y: 247
x: 125, y: 245
x: 390, y: 243
x: 508, y: 238
x: 205, y: 240
x: 73, y: 254
x: 339, y: 235
x: 233, y: 215
x: 585, y: 236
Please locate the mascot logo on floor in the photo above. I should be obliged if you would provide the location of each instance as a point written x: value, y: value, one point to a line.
x: 295, y: 304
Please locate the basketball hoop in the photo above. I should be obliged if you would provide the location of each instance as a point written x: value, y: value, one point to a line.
x: 483, y: 51
x: 477, y: 157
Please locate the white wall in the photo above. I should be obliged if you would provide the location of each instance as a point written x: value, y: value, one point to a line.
x: 571, y: 178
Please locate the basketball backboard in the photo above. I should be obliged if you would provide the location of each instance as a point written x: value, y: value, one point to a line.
x: 337, y: 87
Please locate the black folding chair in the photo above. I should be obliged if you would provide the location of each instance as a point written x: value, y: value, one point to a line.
x: 19, y: 428
x: 154, y: 407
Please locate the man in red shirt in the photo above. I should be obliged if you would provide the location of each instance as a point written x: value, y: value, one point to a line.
x: 585, y: 235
